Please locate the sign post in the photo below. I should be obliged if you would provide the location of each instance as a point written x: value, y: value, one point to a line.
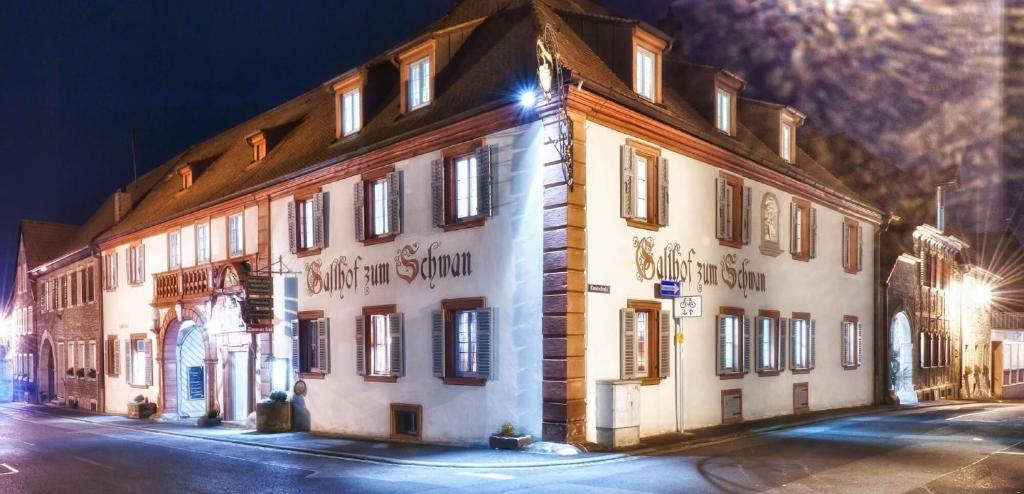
x: 682, y: 307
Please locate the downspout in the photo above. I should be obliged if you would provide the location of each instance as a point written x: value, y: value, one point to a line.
x: 101, y: 352
x: 881, y: 311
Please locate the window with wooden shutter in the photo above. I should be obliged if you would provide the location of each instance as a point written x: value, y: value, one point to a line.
x: 627, y: 342
x: 769, y: 343
x: 852, y: 249
x: 149, y: 361
x: 395, y: 203
x: 306, y: 223
x: 860, y: 344
x: 646, y: 334
x: 437, y: 343
x: 811, y: 347
x: 378, y: 206
x: 746, y: 348
x: 645, y: 186
x: 665, y: 344
x: 462, y: 185
x: 732, y: 201
x: 860, y: 248
x: 295, y: 349
x: 732, y: 336
x: 323, y: 346
x: 311, y: 345
x: 463, y: 346
x: 358, y: 210
x: 128, y: 368
x: 379, y: 342
x: 813, y: 248
x: 396, y: 324
x: 802, y: 229
x: 801, y: 342
x: 361, y: 345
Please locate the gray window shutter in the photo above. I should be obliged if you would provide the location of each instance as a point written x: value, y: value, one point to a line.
x: 663, y: 192
x: 747, y: 194
x: 117, y: 358
x: 845, y: 350
x: 149, y: 362
x: 810, y: 344
x: 293, y: 237
x: 437, y: 198
x: 485, y: 343
x: 323, y: 345
x: 746, y: 349
x: 360, y: 345
x: 720, y: 200
x: 720, y: 354
x: 485, y: 158
x: 628, y: 167
x: 395, y: 202
x: 396, y: 323
x: 792, y: 346
x: 758, y: 338
x: 860, y: 345
x: 627, y: 339
x: 860, y: 248
x: 846, y: 246
x: 358, y: 206
x: 783, y: 330
x: 794, y: 243
x: 319, y: 221
x: 665, y: 344
x: 437, y: 340
x: 127, y: 361
x: 295, y: 348
x: 814, y: 233
x: 728, y: 213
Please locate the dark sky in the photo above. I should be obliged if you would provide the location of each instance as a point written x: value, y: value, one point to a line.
x: 78, y: 77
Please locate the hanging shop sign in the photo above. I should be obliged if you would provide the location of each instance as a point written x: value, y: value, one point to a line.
x: 669, y: 265
x: 258, y: 306
x: 412, y: 264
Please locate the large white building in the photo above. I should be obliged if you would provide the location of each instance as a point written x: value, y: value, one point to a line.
x: 447, y: 255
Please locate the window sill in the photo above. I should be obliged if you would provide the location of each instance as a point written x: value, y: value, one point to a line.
x: 850, y: 270
x: 851, y: 367
x: 308, y: 253
x: 801, y: 257
x: 311, y: 375
x: 139, y: 386
x: 380, y: 379
x: 770, y: 373
x: 736, y: 244
x: 380, y: 240
x: 734, y: 375
x: 464, y: 381
x: 800, y: 371
x: 643, y: 225
x: 650, y: 381
x: 473, y: 223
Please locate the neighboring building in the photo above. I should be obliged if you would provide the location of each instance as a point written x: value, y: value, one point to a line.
x: 446, y: 257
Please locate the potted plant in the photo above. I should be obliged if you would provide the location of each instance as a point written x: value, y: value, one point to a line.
x: 274, y: 414
x: 507, y: 438
x: 141, y: 408
x: 71, y: 371
x: 92, y: 373
x: 212, y: 419
x: 80, y: 372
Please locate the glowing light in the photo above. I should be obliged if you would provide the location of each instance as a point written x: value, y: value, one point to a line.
x: 981, y: 294
x: 527, y: 98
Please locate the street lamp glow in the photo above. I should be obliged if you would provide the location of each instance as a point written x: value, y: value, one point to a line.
x: 527, y: 98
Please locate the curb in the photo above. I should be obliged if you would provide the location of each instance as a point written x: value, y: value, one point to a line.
x: 604, y: 458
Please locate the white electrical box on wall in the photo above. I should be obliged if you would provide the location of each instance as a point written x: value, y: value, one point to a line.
x: 618, y: 413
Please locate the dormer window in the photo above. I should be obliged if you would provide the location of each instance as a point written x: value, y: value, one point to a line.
x: 186, y: 177
x: 258, y: 142
x: 647, y: 50
x: 786, y: 137
x: 348, y: 103
x: 724, y: 104
x: 418, y: 68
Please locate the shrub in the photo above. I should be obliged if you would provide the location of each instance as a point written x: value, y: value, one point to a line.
x: 279, y: 396
x: 71, y: 371
x: 80, y: 372
x: 212, y: 414
x: 507, y: 429
x: 140, y: 399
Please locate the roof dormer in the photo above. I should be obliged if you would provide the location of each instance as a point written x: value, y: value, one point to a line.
x: 727, y: 88
x: 418, y: 65
x: 348, y: 103
x: 774, y: 124
x: 185, y: 173
x: 258, y: 141
x: 789, y: 121
x: 648, y: 49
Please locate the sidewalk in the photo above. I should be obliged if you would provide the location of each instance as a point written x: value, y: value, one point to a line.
x: 437, y: 456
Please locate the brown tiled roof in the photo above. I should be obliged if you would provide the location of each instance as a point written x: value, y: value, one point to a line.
x: 44, y: 240
x: 497, y: 58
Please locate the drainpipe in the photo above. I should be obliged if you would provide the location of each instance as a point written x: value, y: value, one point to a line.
x: 881, y: 310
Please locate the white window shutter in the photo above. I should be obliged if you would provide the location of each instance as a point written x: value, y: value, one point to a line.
x: 323, y: 345
x: 663, y: 192
x: 780, y: 342
x: 149, y: 362
x: 729, y: 229
x: 814, y: 233
x: 794, y: 240
x: 320, y: 220
x: 437, y: 198
x: 395, y: 202
x: 720, y: 354
x: 665, y: 344
x: 295, y: 348
x: 437, y: 342
x: 128, y: 375
x: 846, y: 246
x: 485, y: 343
x: 485, y: 158
x: 759, y: 357
x: 792, y: 346
x: 720, y: 187
x: 360, y: 345
x: 628, y: 185
x: 860, y: 343
x: 845, y: 350
x: 860, y: 248
x: 747, y: 198
x: 358, y: 208
x: 293, y: 238
x: 746, y: 349
x: 921, y: 351
x: 810, y: 345
x: 396, y: 323
x: 627, y: 341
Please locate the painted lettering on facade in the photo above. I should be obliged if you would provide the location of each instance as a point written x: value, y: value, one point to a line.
x: 669, y: 264
x: 346, y: 275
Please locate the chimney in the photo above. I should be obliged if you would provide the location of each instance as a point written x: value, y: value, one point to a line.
x: 940, y: 207
x: 122, y: 204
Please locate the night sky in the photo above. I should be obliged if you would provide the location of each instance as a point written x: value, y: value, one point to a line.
x: 79, y: 77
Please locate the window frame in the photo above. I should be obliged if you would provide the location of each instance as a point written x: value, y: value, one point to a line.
x: 736, y: 183
x: 136, y: 263
x: 655, y: 46
x: 185, y: 173
x: 343, y: 88
x: 368, y: 342
x: 301, y: 199
x: 806, y: 318
x: 241, y: 234
x: 850, y: 322
x: 135, y: 339
x: 451, y: 156
x: 366, y: 182
x: 778, y: 339
x: 415, y: 55
x: 787, y: 144
x: 721, y: 91
x: 173, y: 246
x: 309, y: 333
x: 449, y: 308
x: 653, y: 311
x: 200, y: 247
x: 739, y: 342
x: 851, y: 230
x: 804, y: 214
x: 258, y: 143
x: 652, y: 156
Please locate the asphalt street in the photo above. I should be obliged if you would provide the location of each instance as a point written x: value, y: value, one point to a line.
x: 957, y: 448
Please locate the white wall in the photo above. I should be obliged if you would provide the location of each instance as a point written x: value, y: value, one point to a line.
x: 506, y: 269
x: 820, y: 287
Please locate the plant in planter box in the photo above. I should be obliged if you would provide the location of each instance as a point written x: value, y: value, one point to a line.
x: 508, y: 438
x: 92, y: 373
x: 212, y: 419
x: 140, y: 399
x: 274, y: 414
x: 71, y: 371
x: 141, y: 408
x: 80, y: 372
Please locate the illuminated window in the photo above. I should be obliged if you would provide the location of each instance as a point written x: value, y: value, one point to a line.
x: 419, y: 83
x: 467, y: 187
x: 770, y: 340
x: 379, y: 207
x: 802, y: 342
x: 645, y: 73
x: 236, y: 239
x: 351, y: 116
x: 723, y: 111
x: 851, y: 341
x: 462, y: 341
x: 644, y: 342
x: 786, y: 142
x: 174, y: 250
x: 186, y: 177
x: 202, y: 243
x: 136, y: 264
x: 348, y: 103
x: 803, y: 230
x: 380, y: 345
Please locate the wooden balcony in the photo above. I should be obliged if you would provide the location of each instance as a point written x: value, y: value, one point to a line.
x: 172, y: 286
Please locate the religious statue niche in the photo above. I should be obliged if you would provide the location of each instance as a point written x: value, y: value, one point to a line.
x: 770, y: 227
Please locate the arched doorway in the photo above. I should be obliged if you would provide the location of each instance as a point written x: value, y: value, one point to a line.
x: 191, y: 371
x: 902, y: 359
x: 47, y: 381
